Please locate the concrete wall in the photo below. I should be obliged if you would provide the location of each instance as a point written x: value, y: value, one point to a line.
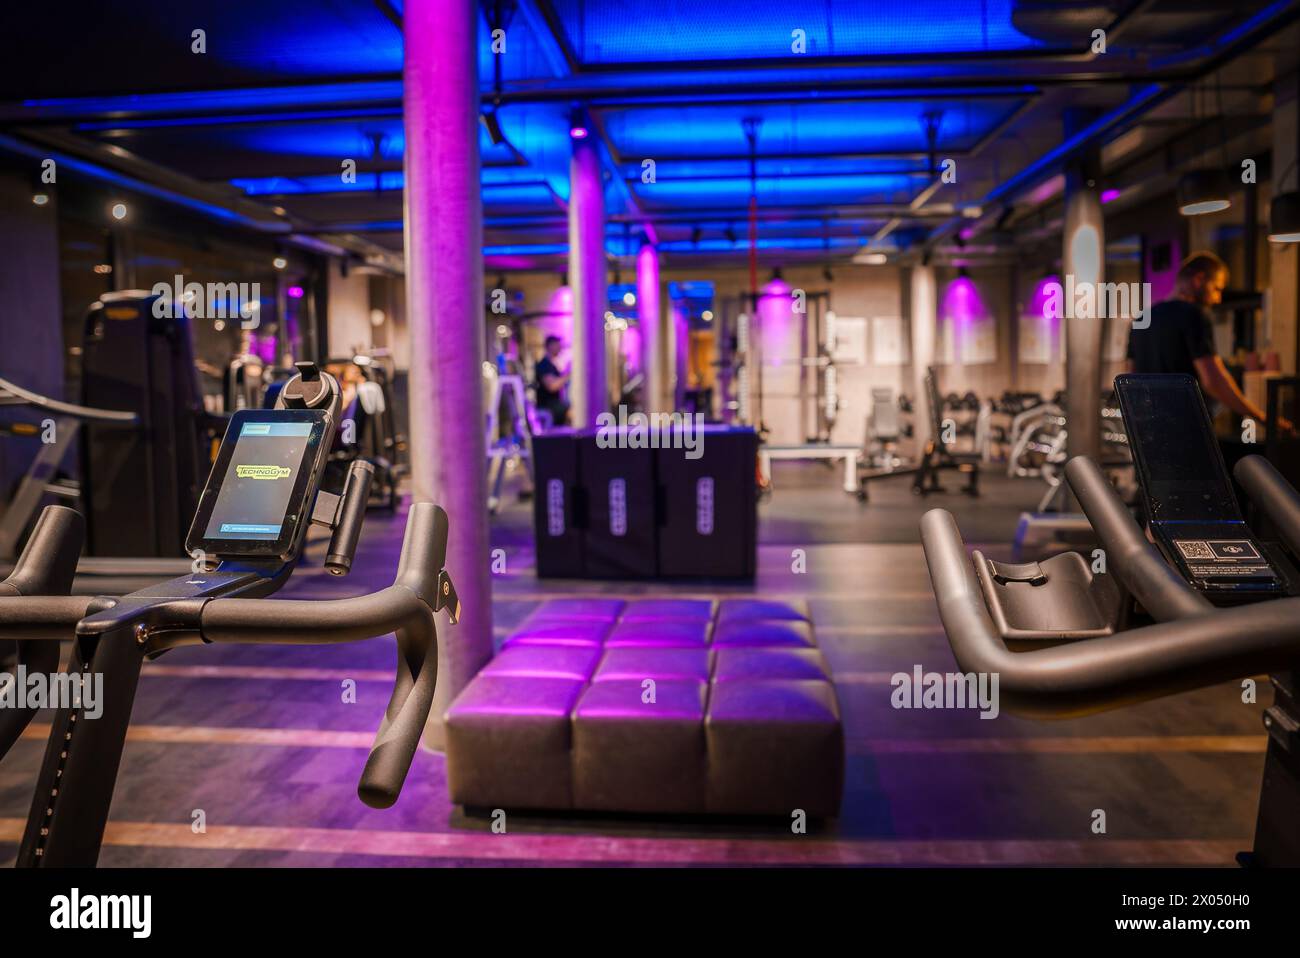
x: 992, y: 331
x: 31, y: 320
x: 349, y: 312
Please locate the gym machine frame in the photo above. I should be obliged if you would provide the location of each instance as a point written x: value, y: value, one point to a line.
x: 1191, y: 645
x: 223, y: 604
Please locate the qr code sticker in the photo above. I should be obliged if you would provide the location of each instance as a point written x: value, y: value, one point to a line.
x: 1195, y: 549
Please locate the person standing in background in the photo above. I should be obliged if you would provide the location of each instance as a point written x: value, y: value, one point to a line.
x: 1180, y: 336
x: 551, y: 383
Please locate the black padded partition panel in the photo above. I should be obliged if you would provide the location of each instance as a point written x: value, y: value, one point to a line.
x: 708, y: 506
x: 613, y: 512
x: 557, y: 505
x: 620, y: 528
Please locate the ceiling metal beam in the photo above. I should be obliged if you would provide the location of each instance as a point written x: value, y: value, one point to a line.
x: 390, y: 13
x: 1235, y: 41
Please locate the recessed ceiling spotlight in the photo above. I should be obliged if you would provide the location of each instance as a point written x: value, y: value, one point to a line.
x: 578, y: 128
x: 118, y: 211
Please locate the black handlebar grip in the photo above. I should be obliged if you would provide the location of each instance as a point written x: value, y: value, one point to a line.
x: 1276, y: 497
x: 352, y: 514
x: 408, y: 709
x: 406, y: 607
x: 49, y: 560
x: 44, y: 574
x: 1139, y: 566
x: 424, y: 551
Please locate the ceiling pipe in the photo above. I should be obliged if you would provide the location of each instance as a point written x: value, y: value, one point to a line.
x: 752, y: 79
x: 206, y: 202
x: 1207, y: 57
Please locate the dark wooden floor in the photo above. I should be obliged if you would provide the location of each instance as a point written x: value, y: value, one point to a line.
x: 259, y: 739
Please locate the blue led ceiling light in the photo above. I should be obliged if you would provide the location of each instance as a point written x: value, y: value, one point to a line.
x: 806, y: 127
x: 778, y: 191
x: 704, y: 169
x: 320, y: 183
x: 626, y: 33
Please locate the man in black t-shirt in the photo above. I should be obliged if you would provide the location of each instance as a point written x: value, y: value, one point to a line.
x: 551, y: 383
x: 1180, y: 338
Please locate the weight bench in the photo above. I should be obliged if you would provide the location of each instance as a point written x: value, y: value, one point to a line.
x: 847, y: 453
x: 654, y: 706
x: 938, y: 454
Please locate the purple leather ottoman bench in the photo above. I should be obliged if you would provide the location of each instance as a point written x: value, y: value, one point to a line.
x: 652, y: 706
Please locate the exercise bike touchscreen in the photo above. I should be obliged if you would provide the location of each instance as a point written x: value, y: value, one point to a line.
x: 254, y: 502
x: 1190, y: 504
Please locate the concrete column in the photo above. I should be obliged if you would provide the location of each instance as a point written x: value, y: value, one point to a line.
x: 444, y: 279
x: 924, y: 322
x: 1284, y: 258
x: 650, y: 313
x: 588, y: 389
x: 1083, y: 260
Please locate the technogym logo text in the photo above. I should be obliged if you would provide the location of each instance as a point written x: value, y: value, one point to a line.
x: 262, y: 472
x: 241, y: 301
x: 77, y: 911
x: 21, y: 689
x: 1086, y: 300
x: 945, y: 690
x: 658, y: 430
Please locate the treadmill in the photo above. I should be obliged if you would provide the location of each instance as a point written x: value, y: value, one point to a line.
x: 1205, y: 600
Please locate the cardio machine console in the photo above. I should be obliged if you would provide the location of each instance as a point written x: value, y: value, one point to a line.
x: 258, y: 500
x: 1190, y: 505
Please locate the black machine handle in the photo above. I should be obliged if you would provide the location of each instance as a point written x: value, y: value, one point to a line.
x: 406, y: 607
x: 1092, y: 675
x: 1274, y: 496
x: 1129, y: 554
x: 351, y: 515
x: 44, y: 574
x: 84, y: 413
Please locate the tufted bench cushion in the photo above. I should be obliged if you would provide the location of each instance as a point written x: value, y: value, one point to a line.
x: 640, y: 752
x: 661, y: 634
x: 512, y: 738
x: 774, y: 744
x: 652, y: 706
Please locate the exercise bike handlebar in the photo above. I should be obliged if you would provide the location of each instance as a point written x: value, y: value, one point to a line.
x: 44, y: 570
x: 406, y: 607
x: 1160, y: 590
x: 1275, y: 497
x: 1093, y: 675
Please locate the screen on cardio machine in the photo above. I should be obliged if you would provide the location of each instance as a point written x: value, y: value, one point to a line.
x: 1177, y: 457
x: 256, y: 496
